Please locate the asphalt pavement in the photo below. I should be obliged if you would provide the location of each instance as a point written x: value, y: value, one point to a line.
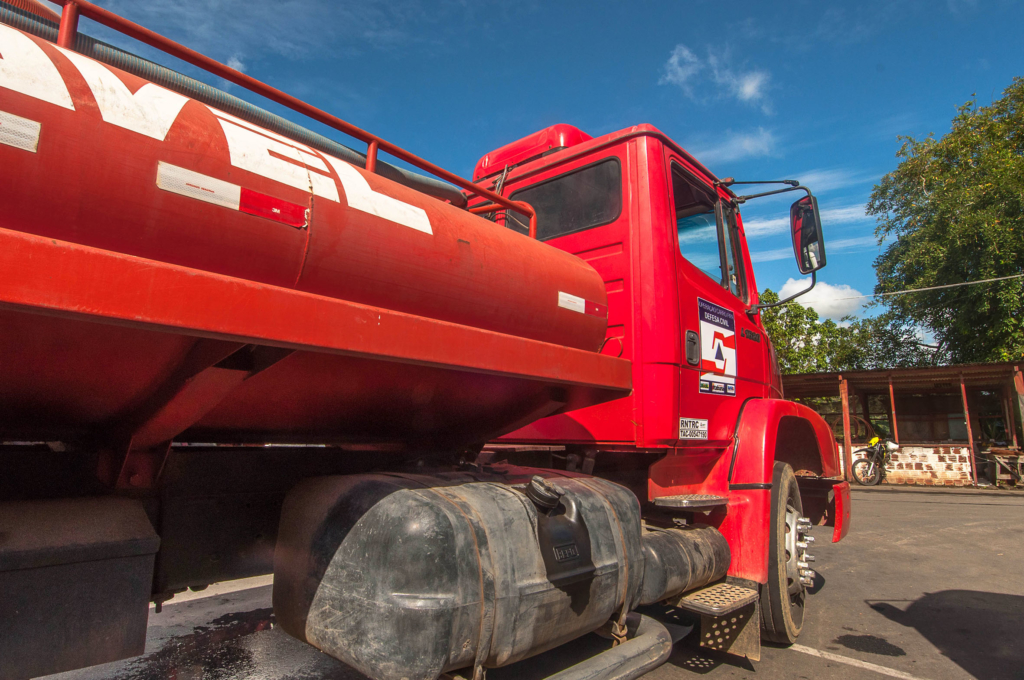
x: 929, y: 584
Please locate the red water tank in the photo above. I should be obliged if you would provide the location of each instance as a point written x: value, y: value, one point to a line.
x: 96, y: 156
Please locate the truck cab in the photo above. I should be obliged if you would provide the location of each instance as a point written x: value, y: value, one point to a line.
x: 706, y: 410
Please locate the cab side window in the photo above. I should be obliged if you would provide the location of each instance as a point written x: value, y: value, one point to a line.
x: 706, y: 228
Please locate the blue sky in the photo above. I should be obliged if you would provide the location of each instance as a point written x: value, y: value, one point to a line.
x: 809, y: 90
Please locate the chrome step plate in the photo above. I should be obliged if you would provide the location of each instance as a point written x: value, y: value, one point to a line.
x: 717, y: 599
x: 691, y: 501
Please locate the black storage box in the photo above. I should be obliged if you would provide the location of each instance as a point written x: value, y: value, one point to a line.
x: 75, y: 582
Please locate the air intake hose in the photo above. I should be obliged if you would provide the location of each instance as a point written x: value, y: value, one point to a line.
x: 190, y: 87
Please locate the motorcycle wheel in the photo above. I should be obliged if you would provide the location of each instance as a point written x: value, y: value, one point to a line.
x: 783, y: 598
x: 862, y: 473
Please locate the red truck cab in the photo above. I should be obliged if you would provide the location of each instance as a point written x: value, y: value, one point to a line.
x: 707, y: 408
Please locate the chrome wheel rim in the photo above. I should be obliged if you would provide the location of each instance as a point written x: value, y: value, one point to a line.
x: 793, y: 584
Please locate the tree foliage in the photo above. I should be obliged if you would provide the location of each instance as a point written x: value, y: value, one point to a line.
x: 805, y: 344
x: 954, y: 211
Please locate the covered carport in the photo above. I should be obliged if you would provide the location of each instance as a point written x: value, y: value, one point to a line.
x: 952, y: 422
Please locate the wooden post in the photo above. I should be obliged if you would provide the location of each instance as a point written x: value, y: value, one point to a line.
x: 844, y: 393
x: 865, y: 411
x: 1018, y: 386
x: 1008, y: 416
x: 892, y: 407
x: 970, y: 434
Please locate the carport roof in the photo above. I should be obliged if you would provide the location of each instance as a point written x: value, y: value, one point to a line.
x: 931, y: 379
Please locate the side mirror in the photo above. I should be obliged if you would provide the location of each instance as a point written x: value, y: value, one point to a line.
x: 808, y: 243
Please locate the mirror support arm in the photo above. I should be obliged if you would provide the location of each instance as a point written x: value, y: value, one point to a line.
x: 744, y: 199
x: 758, y: 307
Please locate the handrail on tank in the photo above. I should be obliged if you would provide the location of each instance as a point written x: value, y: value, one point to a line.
x: 72, y: 9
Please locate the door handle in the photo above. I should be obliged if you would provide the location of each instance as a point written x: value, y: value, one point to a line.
x: 692, y: 348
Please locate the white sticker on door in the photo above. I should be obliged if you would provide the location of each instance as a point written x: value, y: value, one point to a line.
x: 693, y: 428
x: 717, y: 349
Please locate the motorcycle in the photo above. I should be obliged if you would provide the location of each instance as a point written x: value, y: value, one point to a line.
x: 870, y: 470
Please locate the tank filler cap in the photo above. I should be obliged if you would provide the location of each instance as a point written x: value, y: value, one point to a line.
x: 544, y: 493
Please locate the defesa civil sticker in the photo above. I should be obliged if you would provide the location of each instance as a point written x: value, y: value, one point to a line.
x: 693, y: 428
x: 717, y: 349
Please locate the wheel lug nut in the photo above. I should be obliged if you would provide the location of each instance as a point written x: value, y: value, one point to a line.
x: 807, y: 558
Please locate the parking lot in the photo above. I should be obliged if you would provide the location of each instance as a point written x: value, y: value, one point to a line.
x: 929, y: 584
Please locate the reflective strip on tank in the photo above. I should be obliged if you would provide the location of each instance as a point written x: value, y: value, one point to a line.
x: 578, y: 304
x: 19, y: 132
x: 255, y: 203
x: 211, y: 190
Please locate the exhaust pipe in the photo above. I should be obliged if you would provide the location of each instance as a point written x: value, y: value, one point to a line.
x: 649, y: 645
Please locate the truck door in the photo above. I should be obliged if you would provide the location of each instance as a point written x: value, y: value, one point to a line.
x: 723, y: 349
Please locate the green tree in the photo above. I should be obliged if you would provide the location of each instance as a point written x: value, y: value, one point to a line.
x: 805, y: 344
x: 952, y: 212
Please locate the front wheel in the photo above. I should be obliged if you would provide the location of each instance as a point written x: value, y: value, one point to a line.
x: 866, y: 474
x: 783, y: 598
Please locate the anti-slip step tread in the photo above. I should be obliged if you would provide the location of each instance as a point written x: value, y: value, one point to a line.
x: 694, y: 500
x: 717, y: 599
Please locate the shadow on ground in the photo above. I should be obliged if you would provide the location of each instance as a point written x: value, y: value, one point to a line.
x: 978, y: 631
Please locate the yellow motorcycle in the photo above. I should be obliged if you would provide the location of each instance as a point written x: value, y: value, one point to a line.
x: 870, y: 470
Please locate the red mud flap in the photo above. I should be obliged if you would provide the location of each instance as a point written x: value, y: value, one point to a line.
x: 839, y: 514
x: 826, y: 501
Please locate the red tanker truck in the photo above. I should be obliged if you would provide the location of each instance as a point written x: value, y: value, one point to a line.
x: 462, y: 422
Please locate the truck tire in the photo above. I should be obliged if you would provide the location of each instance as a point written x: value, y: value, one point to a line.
x: 783, y: 597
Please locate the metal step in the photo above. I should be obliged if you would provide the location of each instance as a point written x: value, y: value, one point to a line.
x: 717, y: 599
x: 691, y: 501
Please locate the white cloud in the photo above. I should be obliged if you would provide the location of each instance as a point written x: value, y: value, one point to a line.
x: 850, y: 243
x: 685, y: 70
x: 236, y: 63
x: 682, y: 66
x: 737, y: 145
x: 820, y: 180
x: 779, y: 225
x: 750, y: 87
x: 772, y: 255
x: 827, y: 300
x: 288, y: 28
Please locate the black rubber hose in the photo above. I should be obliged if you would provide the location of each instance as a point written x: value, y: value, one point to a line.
x: 190, y: 87
x: 649, y: 645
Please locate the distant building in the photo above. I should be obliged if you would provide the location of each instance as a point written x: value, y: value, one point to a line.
x: 956, y: 425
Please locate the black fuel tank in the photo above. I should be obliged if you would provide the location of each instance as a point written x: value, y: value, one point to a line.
x: 409, y: 576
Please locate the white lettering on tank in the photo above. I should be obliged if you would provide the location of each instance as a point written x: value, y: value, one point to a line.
x: 250, y: 150
x: 361, y: 197
x: 151, y: 111
x: 25, y: 68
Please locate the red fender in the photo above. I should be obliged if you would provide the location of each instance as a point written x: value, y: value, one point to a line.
x: 767, y: 429
x: 766, y: 424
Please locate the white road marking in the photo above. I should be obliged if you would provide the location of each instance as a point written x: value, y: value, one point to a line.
x: 222, y: 589
x: 892, y: 673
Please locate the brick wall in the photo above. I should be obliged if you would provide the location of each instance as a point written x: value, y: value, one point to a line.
x: 928, y: 465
